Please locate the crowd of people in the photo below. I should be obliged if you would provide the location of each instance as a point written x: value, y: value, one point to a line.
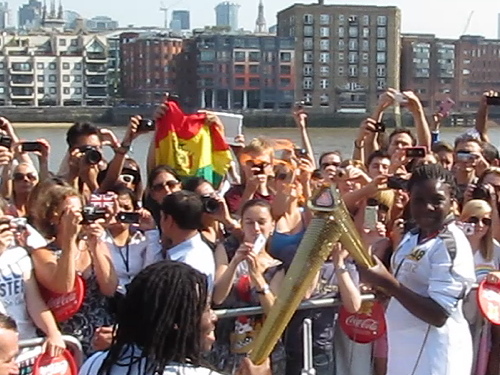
x: 151, y: 259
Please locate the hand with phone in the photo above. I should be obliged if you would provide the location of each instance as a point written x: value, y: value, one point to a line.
x: 387, y: 99
x: 412, y: 102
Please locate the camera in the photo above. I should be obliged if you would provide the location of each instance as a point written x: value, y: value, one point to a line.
x: 415, y: 152
x: 258, y: 169
x: 300, y: 152
x: 481, y: 192
x: 92, y: 213
x: 91, y: 154
x: 128, y: 217
x: 31, y: 146
x: 146, y: 125
x: 379, y: 127
x: 210, y: 204
x: 397, y: 183
x: 5, y: 141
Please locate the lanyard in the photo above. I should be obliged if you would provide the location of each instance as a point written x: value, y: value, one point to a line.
x: 126, y: 257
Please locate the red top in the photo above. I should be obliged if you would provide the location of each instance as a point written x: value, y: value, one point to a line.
x: 234, y: 194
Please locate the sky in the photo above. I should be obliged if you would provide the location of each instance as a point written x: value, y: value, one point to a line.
x: 445, y: 18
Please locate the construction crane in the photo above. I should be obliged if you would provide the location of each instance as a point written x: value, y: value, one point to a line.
x: 165, y: 10
x: 467, y: 25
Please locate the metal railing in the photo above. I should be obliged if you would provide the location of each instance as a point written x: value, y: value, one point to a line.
x: 73, y: 345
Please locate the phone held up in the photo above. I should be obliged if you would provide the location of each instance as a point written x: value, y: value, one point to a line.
x: 31, y: 147
x: 416, y: 152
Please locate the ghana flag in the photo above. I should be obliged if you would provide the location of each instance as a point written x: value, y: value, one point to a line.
x: 192, y: 144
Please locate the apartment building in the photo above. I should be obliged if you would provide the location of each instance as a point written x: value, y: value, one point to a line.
x: 347, y: 54
x: 146, y: 65
x: 236, y: 71
x: 54, y: 69
x: 428, y: 68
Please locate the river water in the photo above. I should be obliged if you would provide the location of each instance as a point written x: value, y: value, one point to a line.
x: 323, y: 139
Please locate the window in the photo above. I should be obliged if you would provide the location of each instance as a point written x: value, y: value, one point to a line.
x: 41, y: 90
x: 308, y: 31
x: 365, y: 45
x: 353, y: 20
x: 324, y: 44
x: 341, y: 57
x: 40, y: 78
x: 239, y: 82
x: 39, y: 66
x: 78, y: 78
x: 366, y: 20
x: 239, y: 69
x: 2, y: 90
x: 2, y: 65
x: 324, y: 19
x: 381, y: 32
x: 52, y: 66
x: 381, y: 20
x: 324, y: 32
x: 353, y: 71
x: 364, y: 71
x: 380, y: 70
x: 284, y: 82
x: 307, y: 84
x: 238, y: 56
x: 66, y: 91
x: 78, y: 90
x: 353, y: 57
x: 52, y: 78
x: 53, y: 90
x: 380, y: 57
x: 62, y: 42
x: 285, y: 56
x: 353, y: 32
x: 308, y: 57
x: 341, y: 32
x: 308, y: 19
x: 254, y: 82
x: 324, y: 57
x: 353, y: 44
x: 308, y: 69
x: 254, y: 69
x: 324, y: 71
x: 341, y: 19
x: 366, y: 32
x: 74, y: 42
x: 341, y: 44
x: 22, y: 67
x: 381, y: 45
x: 324, y: 100
x: 365, y: 57
x: 254, y: 56
x: 341, y: 70
x: 65, y: 78
x: 324, y: 84
x: 285, y: 69
x: 381, y: 85
x: 308, y: 43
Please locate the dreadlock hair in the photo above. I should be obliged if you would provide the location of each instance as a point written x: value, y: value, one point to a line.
x: 433, y: 172
x: 161, y: 315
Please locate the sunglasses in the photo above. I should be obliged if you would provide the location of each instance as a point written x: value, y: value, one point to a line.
x: 475, y: 220
x: 171, y: 184
x: 21, y: 176
x: 333, y: 163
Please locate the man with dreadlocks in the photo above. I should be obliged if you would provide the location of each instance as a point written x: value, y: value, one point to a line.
x: 433, y: 270
x: 165, y: 324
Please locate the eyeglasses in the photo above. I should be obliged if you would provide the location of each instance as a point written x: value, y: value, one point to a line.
x: 171, y: 184
x: 475, y: 220
x: 332, y: 163
x: 127, y: 178
x: 21, y: 176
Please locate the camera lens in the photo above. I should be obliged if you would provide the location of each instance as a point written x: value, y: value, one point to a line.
x: 210, y: 204
x: 93, y: 156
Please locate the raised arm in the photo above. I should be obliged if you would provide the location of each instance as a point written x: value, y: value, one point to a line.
x: 300, y: 118
x: 482, y: 117
x: 417, y: 110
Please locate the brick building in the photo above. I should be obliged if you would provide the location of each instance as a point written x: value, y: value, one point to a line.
x: 346, y: 55
x: 146, y: 65
x: 236, y: 71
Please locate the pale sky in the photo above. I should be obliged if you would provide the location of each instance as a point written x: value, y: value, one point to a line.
x: 445, y: 18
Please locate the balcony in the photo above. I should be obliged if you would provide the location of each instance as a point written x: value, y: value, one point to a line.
x: 96, y: 57
x: 97, y: 93
x: 22, y: 93
x: 21, y: 68
x: 22, y: 81
x: 96, y: 81
x: 96, y: 69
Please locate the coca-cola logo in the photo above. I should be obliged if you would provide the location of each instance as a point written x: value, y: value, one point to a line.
x: 62, y: 300
x: 357, y: 322
x: 61, y: 365
x: 55, y: 368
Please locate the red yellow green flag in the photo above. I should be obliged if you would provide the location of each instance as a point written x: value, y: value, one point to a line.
x: 192, y: 144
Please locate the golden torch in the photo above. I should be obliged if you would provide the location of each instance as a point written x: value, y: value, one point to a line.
x: 330, y: 224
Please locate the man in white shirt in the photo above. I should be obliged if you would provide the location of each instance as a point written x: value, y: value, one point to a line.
x: 9, y: 346
x: 181, y: 214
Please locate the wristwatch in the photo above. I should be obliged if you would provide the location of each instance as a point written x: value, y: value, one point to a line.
x: 265, y: 290
x: 341, y: 269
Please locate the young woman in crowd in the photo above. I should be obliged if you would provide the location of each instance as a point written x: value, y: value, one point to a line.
x: 216, y: 220
x: 75, y: 250
x: 246, y: 276
x: 433, y: 270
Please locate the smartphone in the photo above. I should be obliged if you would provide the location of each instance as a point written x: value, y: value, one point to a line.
x: 468, y: 228
x: 128, y: 217
x: 31, y: 147
x: 102, y: 200
x: 371, y: 217
x: 446, y: 106
x: 5, y: 141
x: 397, y: 183
x: 233, y: 126
x: 416, y: 152
x: 379, y: 127
x: 300, y: 152
x: 493, y: 100
x: 146, y: 125
x: 19, y: 223
x: 400, y: 98
x: 465, y: 156
x: 259, y: 244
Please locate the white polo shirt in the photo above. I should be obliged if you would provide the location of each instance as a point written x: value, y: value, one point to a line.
x: 196, y: 253
x: 441, y: 268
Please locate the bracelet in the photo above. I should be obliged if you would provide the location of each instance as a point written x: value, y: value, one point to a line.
x: 265, y: 290
x: 341, y: 269
x: 359, y: 147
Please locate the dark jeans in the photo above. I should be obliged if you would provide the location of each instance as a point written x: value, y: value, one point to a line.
x: 323, y: 361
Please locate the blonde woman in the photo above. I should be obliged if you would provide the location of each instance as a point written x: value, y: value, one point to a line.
x: 476, y: 221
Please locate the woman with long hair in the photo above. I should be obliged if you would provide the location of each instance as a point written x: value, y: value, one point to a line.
x: 74, y: 251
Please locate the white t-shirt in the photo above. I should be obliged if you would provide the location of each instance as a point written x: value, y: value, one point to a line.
x: 15, y: 268
x: 123, y: 367
x: 441, y: 268
x: 132, y: 259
